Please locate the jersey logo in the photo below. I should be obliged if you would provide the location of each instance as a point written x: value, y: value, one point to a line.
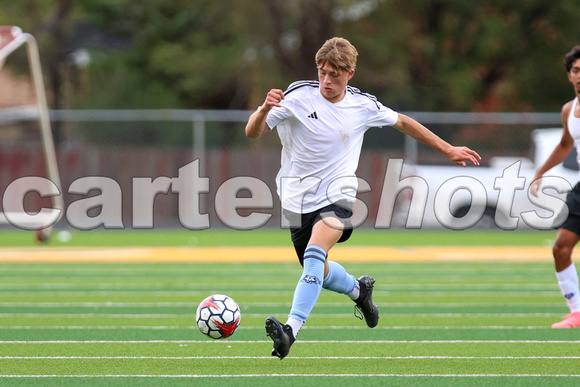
x: 313, y: 115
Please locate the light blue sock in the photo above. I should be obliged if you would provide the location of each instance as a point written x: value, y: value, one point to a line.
x: 310, y: 284
x: 338, y: 280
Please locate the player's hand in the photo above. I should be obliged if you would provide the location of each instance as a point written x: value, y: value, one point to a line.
x: 273, y: 99
x: 460, y: 154
x: 535, y: 186
x: 257, y: 125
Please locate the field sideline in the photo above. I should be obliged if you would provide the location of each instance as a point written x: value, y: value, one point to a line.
x: 275, y: 254
x: 271, y: 245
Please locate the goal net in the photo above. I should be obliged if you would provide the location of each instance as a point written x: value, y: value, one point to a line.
x: 29, y: 178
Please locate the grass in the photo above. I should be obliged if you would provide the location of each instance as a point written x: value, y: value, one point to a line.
x: 442, y: 323
x: 132, y: 324
x: 277, y: 237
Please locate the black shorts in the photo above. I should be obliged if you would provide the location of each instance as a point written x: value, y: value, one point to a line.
x: 572, y: 222
x: 301, y: 224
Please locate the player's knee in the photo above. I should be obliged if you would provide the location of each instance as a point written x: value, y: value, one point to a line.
x: 561, y: 252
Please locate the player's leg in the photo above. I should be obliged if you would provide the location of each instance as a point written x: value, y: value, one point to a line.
x: 567, y: 275
x: 310, y: 284
x: 360, y: 291
x: 307, y: 290
x: 337, y: 279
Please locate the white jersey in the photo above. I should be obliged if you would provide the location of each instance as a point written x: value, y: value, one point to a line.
x: 321, y: 143
x: 574, y: 128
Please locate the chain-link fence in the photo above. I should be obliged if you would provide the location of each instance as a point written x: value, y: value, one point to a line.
x: 123, y: 145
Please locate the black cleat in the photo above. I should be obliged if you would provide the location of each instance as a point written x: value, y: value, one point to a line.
x: 281, y: 335
x: 365, y: 303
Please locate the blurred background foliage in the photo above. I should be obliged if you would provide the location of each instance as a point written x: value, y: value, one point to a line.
x: 419, y: 55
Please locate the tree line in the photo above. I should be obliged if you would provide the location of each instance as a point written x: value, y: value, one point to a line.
x: 421, y: 55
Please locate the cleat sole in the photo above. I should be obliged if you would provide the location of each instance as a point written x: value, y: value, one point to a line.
x: 274, y: 331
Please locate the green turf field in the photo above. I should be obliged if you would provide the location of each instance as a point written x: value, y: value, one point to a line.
x: 460, y: 323
x: 277, y: 237
x: 442, y: 323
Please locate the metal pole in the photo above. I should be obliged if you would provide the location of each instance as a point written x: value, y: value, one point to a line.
x: 198, y: 147
x: 411, y: 150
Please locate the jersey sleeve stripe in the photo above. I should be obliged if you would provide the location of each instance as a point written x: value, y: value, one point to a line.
x: 298, y: 84
x: 355, y: 91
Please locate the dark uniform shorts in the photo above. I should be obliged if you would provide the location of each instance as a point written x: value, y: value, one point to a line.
x: 572, y: 223
x: 301, y: 224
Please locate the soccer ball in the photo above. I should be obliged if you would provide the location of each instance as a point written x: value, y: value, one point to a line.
x: 218, y: 316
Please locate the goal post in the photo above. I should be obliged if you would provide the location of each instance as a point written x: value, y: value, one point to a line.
x: 12, y: 38
x: 7, y: 36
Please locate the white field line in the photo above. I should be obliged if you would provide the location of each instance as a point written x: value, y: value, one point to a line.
x: 155, y: 286
x: 260, y: 327
x: 304, y: 375
x: 293, y: 358
x: 258, y: 315
x: 439, y: 293
x: 227, y: 342
x: 272, y: 304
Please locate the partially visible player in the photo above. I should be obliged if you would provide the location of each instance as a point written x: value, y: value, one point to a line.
x: 568, y: 235
x: 321, y: 125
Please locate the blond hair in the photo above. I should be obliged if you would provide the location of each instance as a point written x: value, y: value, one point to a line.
x: 338, y: 53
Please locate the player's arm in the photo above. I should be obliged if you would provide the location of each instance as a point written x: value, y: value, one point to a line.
x: 559, y: 153
x: 257, y: 125
x: 457, y: 154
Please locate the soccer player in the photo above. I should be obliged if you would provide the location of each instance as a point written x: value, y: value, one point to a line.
x: 321, y: 125
x: 568, y: 234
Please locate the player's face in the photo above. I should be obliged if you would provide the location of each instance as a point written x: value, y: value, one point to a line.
x: 574, y: 75
x: 333, y: 82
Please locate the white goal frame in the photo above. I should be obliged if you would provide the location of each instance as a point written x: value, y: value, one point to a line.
x: 43, y: 221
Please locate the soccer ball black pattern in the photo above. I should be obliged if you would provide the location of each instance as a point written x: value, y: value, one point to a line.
x: 218, y: 316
